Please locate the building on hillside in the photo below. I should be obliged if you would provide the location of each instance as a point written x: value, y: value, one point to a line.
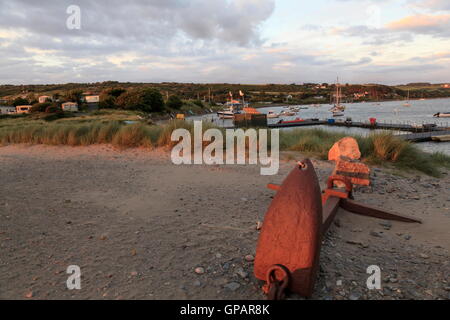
x: 7, y: 109
x: 23, y: 109
x: 92, y: 99
x: 43, y: 99
x: 70, y: 106
x: 359, y: 95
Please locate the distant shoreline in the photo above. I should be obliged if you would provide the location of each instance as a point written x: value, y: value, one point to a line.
x: 259, y: 106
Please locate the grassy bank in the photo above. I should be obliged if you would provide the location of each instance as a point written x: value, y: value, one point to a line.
x: 376, y: 149
x: 112, y: 128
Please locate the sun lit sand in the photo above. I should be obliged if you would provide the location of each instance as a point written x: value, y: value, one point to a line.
x: 139, y: 227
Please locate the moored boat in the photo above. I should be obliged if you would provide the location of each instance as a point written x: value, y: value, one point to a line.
x: 407, y: 104
x: 442, y: 115
x: 272, y: 115
x: 287, y: 114
x: 338, y: 109
x: 297, y: 120
x: 233, y: 107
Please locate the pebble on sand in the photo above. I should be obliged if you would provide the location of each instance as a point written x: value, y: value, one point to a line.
x: 249, y: 258
x: 376, y: 234
x: 199, y: 270
x: 233, y: 286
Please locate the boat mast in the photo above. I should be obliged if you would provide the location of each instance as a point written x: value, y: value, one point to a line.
x: 337, y: 92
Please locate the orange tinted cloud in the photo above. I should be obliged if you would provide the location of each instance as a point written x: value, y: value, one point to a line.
x: 420, y: 22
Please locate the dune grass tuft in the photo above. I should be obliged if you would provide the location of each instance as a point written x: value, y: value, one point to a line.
x: 378, y: 148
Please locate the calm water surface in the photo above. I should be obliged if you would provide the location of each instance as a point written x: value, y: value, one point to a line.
x: 420, y: 112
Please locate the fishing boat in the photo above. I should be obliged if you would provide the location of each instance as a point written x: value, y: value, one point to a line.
x: 233, y: 108
x: 227, y: 114
x: 442, y: 115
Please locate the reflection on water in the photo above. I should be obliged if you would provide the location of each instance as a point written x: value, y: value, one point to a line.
x: 420, y: 112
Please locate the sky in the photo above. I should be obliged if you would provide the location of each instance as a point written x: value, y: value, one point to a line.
x: 225, y: 41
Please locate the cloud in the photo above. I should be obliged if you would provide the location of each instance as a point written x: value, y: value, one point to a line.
x: 152, y: 21
x: 197, y: 41
x: 435, y: 25
x: 433, y: 5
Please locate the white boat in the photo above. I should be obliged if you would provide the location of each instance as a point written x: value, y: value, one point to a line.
x: 232, y: 109
x: 287, y: 114
x: 227, y: 115
x: 442, y: 115
x: 272, y: 115
x: 338, y: 109
x: 407, y: 104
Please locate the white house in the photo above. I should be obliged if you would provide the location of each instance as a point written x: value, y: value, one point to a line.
x: 23, y: 109
x: 43, y: 99
x: 92, y: 99
x: 7, y: 109
x: 70, y: 106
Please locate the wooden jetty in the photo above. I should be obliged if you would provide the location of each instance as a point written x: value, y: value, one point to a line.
x: 425, y: 136
x: 365, y: 125
x: 298, y: 124
x: 441, y: 138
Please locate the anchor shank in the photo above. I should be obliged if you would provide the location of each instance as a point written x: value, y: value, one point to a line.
x: 361, y: 209
x: 330, y: 210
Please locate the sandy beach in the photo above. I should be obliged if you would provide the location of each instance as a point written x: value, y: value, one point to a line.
x: 138, y: 227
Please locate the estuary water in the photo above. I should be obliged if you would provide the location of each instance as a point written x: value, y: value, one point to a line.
x: 420, y: 112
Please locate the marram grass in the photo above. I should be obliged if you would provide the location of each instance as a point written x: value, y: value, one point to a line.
x: 377, y: 148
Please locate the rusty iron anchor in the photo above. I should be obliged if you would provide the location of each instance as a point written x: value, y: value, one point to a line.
x: 288, y: 251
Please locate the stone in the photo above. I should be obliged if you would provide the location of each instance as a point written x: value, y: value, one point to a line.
x: 358, y: 243
x: 199, y: 270
x: 376, y: 234
x: 233, y: 286
x: 386, y: 224
x: 197, y: 283
x: 358, y: 173
x: 240, y: 272
x: 346, y: 147
x: 354, y: 296
x: 249, y: 258
x: 337, y: 223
